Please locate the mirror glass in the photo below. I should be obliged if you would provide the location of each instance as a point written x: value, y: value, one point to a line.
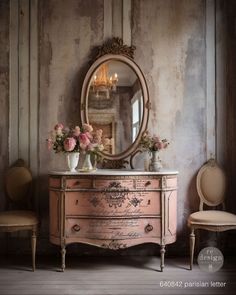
x: 115, y: 104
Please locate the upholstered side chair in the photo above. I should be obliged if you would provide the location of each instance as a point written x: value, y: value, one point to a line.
x: 211, y: 184
x: 18, y: 189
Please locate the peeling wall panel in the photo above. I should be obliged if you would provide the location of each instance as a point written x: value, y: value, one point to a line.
x: 68, y: 32
x: 24, y: 143
x: 170, y: 41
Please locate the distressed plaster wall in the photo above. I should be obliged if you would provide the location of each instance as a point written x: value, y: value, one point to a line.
x: 170, y: 40
x: 68, y: 31
x: 170, y: 37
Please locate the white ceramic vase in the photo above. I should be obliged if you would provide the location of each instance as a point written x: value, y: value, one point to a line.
x: 72, y: 160
x: 155, y: 163
x: 87, y: 165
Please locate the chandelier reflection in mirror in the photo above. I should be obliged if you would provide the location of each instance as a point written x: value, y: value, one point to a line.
x: 102, y: 84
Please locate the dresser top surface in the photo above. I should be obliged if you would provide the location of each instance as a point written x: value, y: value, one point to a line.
x: 118, y: 172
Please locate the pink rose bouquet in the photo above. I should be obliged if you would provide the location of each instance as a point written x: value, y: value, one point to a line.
x: 152, y: 143
x: 75, y: 139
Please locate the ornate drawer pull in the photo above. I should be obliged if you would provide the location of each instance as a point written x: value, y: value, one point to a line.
x: 148, y: 183
x: 148, y: 228
x: 76, y: 227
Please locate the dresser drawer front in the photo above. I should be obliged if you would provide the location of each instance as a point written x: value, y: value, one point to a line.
x: 170, y: 182
x: 78, y: 183
x: 103, y: 229
x: 148, y: 183
x: 112, y: 204
x: 114, y: 184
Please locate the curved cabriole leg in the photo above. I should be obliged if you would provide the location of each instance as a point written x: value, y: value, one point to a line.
x: 33, y: 247
x: 63, y: 257
x: 162, y: 251
x: 192, y: 246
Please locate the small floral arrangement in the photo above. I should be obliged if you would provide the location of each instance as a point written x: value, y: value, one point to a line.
x: 152, y: 143
x: 75, y: 139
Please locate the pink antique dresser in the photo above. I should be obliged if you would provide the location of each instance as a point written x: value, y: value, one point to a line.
x: 113, y: 209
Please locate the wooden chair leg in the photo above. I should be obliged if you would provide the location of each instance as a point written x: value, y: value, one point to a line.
x: 33, y: 247
x: 192, y: 246
x: 63, y: 257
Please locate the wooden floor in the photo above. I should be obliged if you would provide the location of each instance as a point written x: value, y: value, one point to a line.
x: 112, y: 275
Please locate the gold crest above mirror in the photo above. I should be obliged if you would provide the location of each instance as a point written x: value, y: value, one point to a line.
x: 115, y: 99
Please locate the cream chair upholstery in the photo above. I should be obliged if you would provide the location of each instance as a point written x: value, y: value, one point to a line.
x: 18, y: 187
x: 211, y: 184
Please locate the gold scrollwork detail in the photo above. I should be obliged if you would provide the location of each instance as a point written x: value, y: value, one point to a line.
x: 114, y: 245
x: 116, y: 46
x: 114, y: 164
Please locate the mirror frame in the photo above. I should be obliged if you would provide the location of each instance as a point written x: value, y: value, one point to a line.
x: 132, y: 149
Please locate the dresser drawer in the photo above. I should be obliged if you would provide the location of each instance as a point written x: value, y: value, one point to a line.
x: 77, y: 183
x: 114, y: 184
x: 148, y: 183
x: 170, y: 182
x: 102, y: 229
x: 112, y: 204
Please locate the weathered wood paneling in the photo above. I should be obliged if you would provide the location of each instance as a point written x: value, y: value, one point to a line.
x: 14, y: 83
x: 221, y: 78
x: 210, y: 80
x: 4, y: 91
x: 230, y: 9
x: 23, y: 52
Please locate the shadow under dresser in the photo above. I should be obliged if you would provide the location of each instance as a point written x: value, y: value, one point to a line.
x: 113, y: 209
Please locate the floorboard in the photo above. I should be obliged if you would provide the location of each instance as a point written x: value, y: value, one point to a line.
x: 113, y: 276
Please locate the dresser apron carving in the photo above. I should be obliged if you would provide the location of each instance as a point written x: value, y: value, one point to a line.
x: 113, y: 209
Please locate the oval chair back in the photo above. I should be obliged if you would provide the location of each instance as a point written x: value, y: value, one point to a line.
x: 18, y: 184
x: 211, y: 184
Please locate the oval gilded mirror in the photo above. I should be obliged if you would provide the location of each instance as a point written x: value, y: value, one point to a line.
x: 115, y: 99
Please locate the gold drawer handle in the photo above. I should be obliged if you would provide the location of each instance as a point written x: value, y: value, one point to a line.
x: 76, y: 227
x: 148, y: 228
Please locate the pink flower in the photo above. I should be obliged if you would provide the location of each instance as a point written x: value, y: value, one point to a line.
x: 99, y: 132
x: 58, y: 128
x: 84, y: 140
x: 69, y: 144
x: 89, y: 135
x: 158, y: 146
x: 107, y: 141
x: 97, y: 138
x: 87, y: 128
x: 76, y: 131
